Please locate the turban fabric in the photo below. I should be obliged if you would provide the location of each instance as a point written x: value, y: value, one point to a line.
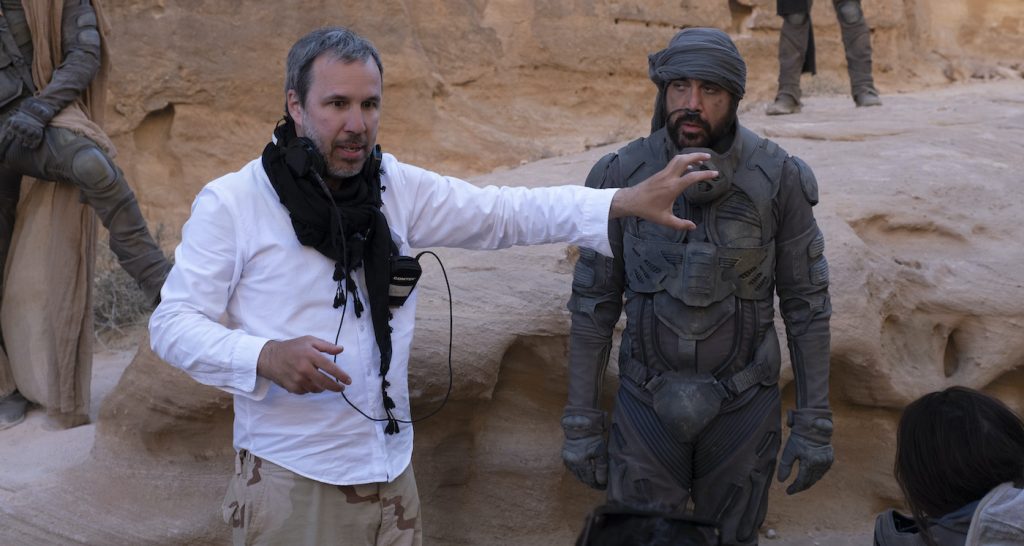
x: 706, y: 54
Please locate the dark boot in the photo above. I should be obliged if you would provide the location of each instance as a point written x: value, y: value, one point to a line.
x: 784, y: 104
x: 12, y: 409
x: 867, y: 98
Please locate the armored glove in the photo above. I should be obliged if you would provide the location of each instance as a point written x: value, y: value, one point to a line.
x: 809, y: 441
x: 585, y: 451
x: 27, y: 123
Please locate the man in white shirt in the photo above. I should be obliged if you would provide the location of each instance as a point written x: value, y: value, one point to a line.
x: 279, y: 295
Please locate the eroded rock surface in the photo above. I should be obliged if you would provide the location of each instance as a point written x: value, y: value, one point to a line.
x: 473, y: 85
x: 920, y: 199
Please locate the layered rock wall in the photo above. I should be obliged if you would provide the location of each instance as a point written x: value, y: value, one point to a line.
x: 919, y: 201
x: 471, y: 85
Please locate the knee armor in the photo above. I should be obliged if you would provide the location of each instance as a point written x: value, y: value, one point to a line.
x: 849, y: 11
x: 91, y: 168
x: 796, y: 18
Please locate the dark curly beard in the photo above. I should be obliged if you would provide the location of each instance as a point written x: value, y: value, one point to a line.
x: 709, y: 137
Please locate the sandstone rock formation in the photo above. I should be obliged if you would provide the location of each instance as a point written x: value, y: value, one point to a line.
x: 918, y: 205
x: 474, y: 85
x: 919, y: 201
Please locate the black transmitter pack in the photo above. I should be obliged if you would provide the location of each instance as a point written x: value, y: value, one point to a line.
x: 405, y: 273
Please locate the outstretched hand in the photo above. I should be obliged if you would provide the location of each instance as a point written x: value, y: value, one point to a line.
x: 299, y: 365
x: 653, y: 198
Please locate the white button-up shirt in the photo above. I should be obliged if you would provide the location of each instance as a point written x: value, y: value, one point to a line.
x: 241, y: 278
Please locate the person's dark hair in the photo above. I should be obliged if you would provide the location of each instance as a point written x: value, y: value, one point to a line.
x: 953, y: 447
x: 338, y: 42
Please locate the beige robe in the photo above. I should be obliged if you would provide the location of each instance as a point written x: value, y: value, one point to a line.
x: 46, y: 315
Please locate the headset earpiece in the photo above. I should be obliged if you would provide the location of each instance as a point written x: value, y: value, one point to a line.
x: 371, y: 169
x: 302, y: 157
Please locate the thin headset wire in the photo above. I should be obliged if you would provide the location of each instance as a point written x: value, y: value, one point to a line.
x: 451, y: 375
x: 344, y: 309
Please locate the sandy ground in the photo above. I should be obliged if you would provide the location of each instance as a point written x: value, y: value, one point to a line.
x: 35, y: 449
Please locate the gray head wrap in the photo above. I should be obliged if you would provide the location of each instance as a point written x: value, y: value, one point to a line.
x: 700, y: 53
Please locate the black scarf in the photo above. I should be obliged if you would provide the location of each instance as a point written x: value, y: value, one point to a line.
x: 355, y: 233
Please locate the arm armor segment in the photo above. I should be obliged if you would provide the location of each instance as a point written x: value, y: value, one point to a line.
x: 805, y: 306
x: 80, y: 41
x: 595, y: 304
x: 802, y: 285
x: 808, y: 183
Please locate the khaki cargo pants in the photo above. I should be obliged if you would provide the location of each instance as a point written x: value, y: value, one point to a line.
x: 267, y: 504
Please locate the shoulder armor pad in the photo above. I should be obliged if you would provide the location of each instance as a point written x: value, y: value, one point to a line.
x: 643, y: 157
x: 598, y: 173
x: 808, y: 183
x: 632, y: 156
x: 764, y: 155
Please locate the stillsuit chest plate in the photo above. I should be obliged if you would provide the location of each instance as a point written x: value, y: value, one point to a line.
x: 15, y: 57
x: 18, y: 25
x: 700, y: 300
x: 730, y: 253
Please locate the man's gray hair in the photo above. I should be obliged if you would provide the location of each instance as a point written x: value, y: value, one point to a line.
x: 338, y: 42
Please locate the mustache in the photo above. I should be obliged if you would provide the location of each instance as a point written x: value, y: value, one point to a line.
x: 677, y: 118
x: 351, y: 141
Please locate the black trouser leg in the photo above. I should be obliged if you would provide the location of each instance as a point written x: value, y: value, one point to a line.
x: 10, y: 189
x: 857, y: 43
x: 727, y: 471
x: 734, y: 462
x: 793, y: 43
x: 66, y: 157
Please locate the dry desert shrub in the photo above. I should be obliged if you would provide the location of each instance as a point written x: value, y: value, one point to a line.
x: 119, y: 306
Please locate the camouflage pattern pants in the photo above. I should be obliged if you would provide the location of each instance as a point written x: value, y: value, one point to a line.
x: 267, y: 504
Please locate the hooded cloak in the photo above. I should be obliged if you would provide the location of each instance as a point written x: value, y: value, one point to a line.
x: 46, y: 316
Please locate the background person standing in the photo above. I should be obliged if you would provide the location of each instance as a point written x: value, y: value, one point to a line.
x: 796, y: 53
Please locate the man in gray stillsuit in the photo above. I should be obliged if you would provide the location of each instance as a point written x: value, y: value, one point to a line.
x: 796, y: 53
x: 30, y: 146
x: 697, y: 412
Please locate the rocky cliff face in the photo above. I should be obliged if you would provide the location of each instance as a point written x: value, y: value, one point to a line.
x: 471, y: 85
x: 919, y: 201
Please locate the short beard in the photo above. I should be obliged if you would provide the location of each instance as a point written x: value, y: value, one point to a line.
x: 708, y: 138
x: 327, y: 147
